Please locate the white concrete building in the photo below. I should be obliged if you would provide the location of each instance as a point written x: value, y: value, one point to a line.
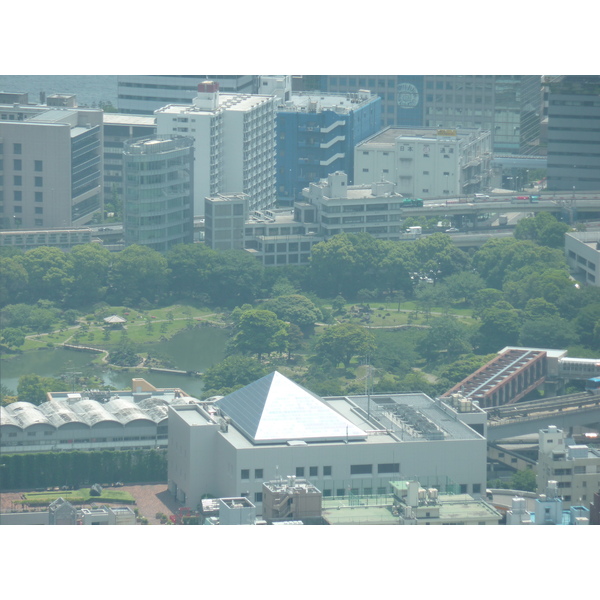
x: 582, y: 251
x: 426, y: 162
x: 574, y: 467
x: 344, y: 445
x: 234, y: 140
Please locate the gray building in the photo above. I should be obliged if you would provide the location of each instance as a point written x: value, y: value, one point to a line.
x: 345, y: 446
x: 574, y: 133
x: 158, y: 199
x: 51, y: 166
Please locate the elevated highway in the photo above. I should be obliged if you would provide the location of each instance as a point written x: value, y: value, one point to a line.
x: 524, y: 418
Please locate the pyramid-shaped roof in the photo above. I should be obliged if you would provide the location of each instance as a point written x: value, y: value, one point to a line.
x: 275, y: 409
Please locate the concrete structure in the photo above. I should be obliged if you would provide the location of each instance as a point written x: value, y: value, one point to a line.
x: 158, y: 184
x: 582, y: 251
x: 273, y: 427
x: 91, y: 420
x: 236, y: 511
x: 291, y: 499
x: 62, y: 512
x: 317, y: 134
x: 574, y: 468
x: 573, y: 126
x: 143, y: 94
x: 118, y: 129
x: 426, y: 162
x: 51, y: 166
x: 509, y: 106
x: 234, y: 141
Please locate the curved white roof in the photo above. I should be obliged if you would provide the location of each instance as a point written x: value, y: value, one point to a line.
x: 60, y: 413
x: 7, y: 419
x: 27, y: 414
x: 126, y: 410
x: 92, y: 412
x: 156, y: 408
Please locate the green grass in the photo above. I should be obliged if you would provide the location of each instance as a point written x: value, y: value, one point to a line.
x: 81, y: 496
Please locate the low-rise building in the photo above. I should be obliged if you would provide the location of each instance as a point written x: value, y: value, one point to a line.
x: 344, y: 445
x: 426, y: 162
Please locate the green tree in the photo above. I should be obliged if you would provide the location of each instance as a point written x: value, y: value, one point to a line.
x: 446, y: 339
x: 235, y: 278
x: 524, y: 481
x: 12, y: 337
x: 500, y: 327
x: 296, y: 309
x: 14, y: 279
x: 259, y: 332
x: 341, y: 343
x: 89, y: 267
x: 138, y: 272
x: 189, y: 268
x: 48, y: 271
x: 232, y: 372
x: 464, y: 286
x: 548, y: 332
x: 33, y: 388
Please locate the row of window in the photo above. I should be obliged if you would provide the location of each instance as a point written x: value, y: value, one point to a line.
x: 327, y: 471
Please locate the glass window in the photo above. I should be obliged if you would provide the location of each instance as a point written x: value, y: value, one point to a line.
x: 17, y: 148
x: 361, y: 469
x: 245, y: 474
x: 299, y: 471
x: 313, y: 471
x: 38, y: 165
x: 258, y: 473
x: 327, y: 471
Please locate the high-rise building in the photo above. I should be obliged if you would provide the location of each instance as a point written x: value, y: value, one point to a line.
x: 234, y: 139
x: 50, y: 165
x: 158, y: 181
x: 573, y: 133
x: 509, y: 106
x: 316, y: 136
x: 143, y: 94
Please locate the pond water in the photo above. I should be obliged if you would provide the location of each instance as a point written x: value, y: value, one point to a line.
x: 190, y: 350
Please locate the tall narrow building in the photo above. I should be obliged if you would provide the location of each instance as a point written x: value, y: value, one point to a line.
x: 158, y: 183
x: 234, y: 140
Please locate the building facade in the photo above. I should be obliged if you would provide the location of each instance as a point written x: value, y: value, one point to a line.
x: 509, y: 106
x: 426, y: 163
x: 316, y: 135
x: 273, y: 428
x: 574, y: 467
x: 582, y: 251
x: 144, y: 94
x: 574, y: 133
x: 158, y: 182
x: 51, y: 166
x: 286, y: 236
x: 234, y: 141
x: 118, y: 129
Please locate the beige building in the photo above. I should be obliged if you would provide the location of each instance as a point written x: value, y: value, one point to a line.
x: 574, y: 467
x: 51, y: 165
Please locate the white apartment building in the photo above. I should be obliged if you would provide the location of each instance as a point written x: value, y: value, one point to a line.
x: 426, y: 162
x: 575, y: 468
x: 234, y: 140
x: 355, y: 445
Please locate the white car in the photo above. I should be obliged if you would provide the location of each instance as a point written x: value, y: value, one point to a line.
x: 452, y: 230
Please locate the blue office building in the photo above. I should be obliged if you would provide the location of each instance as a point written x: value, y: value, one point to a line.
x: 316, y: 136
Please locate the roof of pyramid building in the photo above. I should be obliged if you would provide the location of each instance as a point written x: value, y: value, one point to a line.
x: 275, y: 409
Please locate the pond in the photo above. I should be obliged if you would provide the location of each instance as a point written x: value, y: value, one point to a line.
x: 190, y: 350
